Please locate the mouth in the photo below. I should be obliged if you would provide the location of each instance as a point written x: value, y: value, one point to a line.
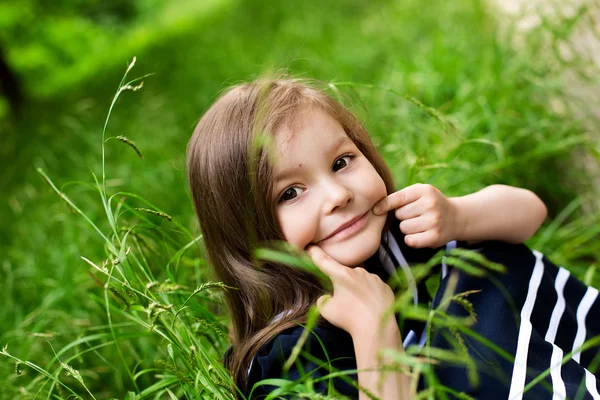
x: 348, y: 229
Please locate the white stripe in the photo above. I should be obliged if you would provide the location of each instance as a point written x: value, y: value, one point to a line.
x: 387, y: 262
x: 423, y: 337
x: 590, y: 384
x: 404, y: 264
x: 449, y: 246
x: 396, y: 250
x: 389, y: 266
x: 559, y: 307
x: 250, y: 367
x: 517, y: 383
x: 558, y: 386
x: 410, y: 337
x: 582, y: 311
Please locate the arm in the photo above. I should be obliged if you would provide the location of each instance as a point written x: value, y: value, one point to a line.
x: 367, y: 345
x: 498, y: 212
x: 372, y: 329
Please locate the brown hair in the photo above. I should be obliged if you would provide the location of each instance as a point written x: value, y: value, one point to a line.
x: 231, y: 186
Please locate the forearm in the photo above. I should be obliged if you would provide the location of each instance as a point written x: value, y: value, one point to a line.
x: 498, y: 212
x: 383, y: 384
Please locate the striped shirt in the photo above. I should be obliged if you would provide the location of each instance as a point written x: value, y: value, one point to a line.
x: 539, y: 316
x: 534, y: 313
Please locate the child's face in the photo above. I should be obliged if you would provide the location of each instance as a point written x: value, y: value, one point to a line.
x: 323, y: 182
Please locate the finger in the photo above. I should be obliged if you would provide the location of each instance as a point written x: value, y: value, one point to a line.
x: 324, y: 307
x: 326, y: 264
x: 413, y: 225
x: 412, y: 210
x: 321, y: 301
x: 398, y: 199
x: 421, y: 240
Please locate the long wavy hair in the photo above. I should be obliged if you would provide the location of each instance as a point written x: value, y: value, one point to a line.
x: 231, y: 183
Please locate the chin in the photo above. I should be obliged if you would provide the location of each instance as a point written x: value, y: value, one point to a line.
x: 356, y: 258
x: 354, y: 252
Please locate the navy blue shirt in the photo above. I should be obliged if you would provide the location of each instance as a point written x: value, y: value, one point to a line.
x: 328, y: 348
x: 534, y: 313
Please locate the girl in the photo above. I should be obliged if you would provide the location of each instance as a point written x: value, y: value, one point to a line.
x: 322, y: 187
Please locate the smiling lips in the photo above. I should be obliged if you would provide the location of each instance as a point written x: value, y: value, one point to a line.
x: 348, y: 228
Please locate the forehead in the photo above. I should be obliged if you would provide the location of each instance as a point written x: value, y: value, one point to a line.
x: 316, y: 140
x: 312, y: 130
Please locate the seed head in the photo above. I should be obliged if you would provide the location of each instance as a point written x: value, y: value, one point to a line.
x: 131, y: 144
x: 154, y: 212
x: 72, y: 372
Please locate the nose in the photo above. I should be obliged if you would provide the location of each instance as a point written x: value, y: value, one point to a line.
x: 336, y: 196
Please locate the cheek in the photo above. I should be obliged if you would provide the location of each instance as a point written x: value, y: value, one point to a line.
x: 373, y: 185
x: 297, y: 228
x: 379, y: 189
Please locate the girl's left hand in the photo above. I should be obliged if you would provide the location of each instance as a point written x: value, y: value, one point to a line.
x: 428, y: 218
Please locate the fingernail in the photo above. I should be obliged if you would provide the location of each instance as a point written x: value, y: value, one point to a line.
x: 376, y: 209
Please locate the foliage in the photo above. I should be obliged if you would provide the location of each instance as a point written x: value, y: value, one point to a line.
x: 53, y: 46
x: 107, y: 270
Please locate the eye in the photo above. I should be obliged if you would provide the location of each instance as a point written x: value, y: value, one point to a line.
x: 341, y: 162
x: 290, y: 194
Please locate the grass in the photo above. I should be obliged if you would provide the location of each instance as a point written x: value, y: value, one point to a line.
x: 123, y: 295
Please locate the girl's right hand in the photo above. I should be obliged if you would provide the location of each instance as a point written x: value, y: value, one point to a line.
x: 359, y: 306
x: 360, y: 300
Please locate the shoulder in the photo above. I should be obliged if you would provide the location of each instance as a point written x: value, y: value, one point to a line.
x: 324, y: 350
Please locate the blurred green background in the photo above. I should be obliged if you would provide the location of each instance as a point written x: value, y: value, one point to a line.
x: 454, y: 93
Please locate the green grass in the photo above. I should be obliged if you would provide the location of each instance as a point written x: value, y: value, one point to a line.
x: 447, y: 94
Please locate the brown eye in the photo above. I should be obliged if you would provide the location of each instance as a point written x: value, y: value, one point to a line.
x: 340, y: 163
x: 290, y: 194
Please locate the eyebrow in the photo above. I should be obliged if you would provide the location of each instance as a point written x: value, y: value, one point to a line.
x: 334, y: 147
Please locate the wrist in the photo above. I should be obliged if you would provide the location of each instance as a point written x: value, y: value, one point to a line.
x: 369, y: 345
x: 386, y: 332
x: 462, y: 222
